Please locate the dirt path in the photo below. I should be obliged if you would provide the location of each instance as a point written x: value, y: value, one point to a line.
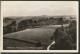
x: 50, y: 45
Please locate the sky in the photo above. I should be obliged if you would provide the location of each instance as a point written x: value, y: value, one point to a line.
x: 37, y: 8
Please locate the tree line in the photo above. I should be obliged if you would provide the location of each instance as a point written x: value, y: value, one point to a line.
x: 32, y: 23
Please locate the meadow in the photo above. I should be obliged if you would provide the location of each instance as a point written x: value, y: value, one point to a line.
x: 34, y: 35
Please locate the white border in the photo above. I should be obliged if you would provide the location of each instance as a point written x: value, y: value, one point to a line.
x: 41, y: 51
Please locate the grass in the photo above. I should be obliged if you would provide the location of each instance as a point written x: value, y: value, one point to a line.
x: 34, y: 35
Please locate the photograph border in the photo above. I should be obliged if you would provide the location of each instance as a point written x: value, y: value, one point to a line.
x: 34, y: 51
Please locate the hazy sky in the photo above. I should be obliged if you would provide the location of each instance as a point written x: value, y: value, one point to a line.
x: 35, y: 8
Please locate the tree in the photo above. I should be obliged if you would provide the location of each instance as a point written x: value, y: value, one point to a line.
x: 59, y: 33
x: 60, y: 21
x: 64, y: 43
x: 71, y: 30
x: 65, y: 37
x: 14, y: 26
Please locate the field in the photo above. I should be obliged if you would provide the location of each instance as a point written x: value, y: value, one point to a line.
x: 34, y: 35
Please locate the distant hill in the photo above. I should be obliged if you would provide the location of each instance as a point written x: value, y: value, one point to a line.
x: 8, y: 20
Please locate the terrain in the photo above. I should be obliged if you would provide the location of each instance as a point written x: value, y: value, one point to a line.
x: 37, y: 29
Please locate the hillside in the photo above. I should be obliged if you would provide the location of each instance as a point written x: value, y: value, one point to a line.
x: 33, y: 35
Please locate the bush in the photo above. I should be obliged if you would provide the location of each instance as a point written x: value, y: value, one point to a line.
x: 64, y: 43
x: 65, y: 37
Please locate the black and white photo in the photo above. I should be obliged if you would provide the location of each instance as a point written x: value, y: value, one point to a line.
x: 47, y: 26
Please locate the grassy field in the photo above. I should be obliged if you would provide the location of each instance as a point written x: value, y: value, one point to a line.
x: 34, y: 35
